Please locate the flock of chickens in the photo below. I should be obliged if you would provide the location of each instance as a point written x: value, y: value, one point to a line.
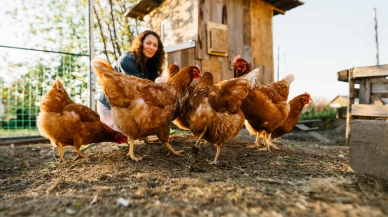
x: 214, y: 112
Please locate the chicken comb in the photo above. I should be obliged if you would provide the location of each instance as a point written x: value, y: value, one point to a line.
x: 236, y: 58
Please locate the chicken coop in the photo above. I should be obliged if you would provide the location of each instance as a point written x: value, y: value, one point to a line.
x: 367, y: 118
x: 212, y: 32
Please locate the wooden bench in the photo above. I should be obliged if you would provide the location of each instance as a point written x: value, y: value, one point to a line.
x: 311, y: 130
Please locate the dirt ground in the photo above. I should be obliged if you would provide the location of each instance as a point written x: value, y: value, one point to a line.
x: 305, y: 178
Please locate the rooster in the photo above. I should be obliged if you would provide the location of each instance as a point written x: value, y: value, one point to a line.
x: 213, y: 111
x: 66, y: 123
x: 265, y: 108
x: 141, y: 107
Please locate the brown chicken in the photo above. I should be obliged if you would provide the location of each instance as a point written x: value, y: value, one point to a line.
x: 141, y: 107
x: 214, y: 111
x: 66, y: 123
x: 265, y: 108
x: 296, y: 106
x: 181, y: 121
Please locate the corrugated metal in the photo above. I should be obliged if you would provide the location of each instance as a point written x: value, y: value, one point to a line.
x: 144, y: 7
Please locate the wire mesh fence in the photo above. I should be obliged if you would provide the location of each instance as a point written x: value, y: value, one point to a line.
x: 26, y: 76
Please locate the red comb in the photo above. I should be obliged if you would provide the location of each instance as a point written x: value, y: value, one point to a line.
x: 236, y: 58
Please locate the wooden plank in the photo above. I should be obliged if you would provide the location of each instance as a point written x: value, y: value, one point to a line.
x: 203, y: 18
x: 364, y: 93
x: 318, y: 136
x: 305, y: 128
x: 369, y: 71
x: 236, y: 27
x: 247, y: 42
x: 369, y: 110
x: 214, y: 67
x: 309, y: 121
x: 261, y: 37
x: 343, y: 75
x: 379, y: 88
x: 368, y: 147
x: 376, y: 100
x: 378, y: 80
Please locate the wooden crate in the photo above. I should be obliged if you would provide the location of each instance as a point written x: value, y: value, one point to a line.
x: 369, y: 147
x: 370, y: 86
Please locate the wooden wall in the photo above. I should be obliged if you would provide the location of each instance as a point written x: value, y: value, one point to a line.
x: 249, y: 25
x: 183, y: 15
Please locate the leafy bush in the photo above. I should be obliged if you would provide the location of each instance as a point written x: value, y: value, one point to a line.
x: 320, y: 109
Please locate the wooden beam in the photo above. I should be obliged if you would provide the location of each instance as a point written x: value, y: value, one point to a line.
x: 349, y: 117
x: 369, y: 71
x: 369, y: 110
x: 278, y: 10
x: 343, y: 75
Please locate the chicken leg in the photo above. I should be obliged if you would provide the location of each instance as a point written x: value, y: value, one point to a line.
x: 60, y: 149
x: 268, y: 142
x: 79, y: 154
x: 198, y: 143
x: 257, y: 144
x: 177, y: 153
x: 219, y: 148
x: 130, y: 152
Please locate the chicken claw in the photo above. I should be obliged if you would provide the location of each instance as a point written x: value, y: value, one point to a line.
x: 198, y: 143
x: 80, y: 156
x: 177, y: 153
x: 130, y: 152
x: 219, y: 148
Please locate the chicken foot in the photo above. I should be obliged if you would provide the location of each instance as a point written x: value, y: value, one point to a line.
x: 172, y: 150
x: 219, y: 148
x: 130, y: 152
x: 268, y: 142
x: 80, y: 156
x: 60, y: 149
x: 256, y: 144
x: 198, y: 143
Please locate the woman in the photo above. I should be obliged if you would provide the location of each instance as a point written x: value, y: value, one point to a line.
x: 145, y: 59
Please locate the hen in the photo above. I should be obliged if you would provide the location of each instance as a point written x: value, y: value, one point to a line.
x: 296, y: 106
x: 66, y: 123
x: 265, y: 108
x: 141, y: 107
x: 181, y: 121
x: 213, y: 111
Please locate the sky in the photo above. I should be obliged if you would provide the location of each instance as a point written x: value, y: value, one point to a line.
x: 322, y: 37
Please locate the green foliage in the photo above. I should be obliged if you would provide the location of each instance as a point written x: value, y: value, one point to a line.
x: 326, y: 113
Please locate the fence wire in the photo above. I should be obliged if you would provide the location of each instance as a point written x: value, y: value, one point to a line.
x: 26, y: 75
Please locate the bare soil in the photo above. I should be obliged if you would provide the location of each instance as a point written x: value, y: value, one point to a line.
x: 305, y: 178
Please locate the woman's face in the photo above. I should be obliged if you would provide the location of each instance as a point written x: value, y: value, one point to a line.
x: 150, y: 46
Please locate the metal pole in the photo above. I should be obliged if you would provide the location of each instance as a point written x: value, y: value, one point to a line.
x: 377, y: 41
x: 92, y: 76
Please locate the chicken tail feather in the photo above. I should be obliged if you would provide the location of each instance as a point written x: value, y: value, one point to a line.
x: 253, y: 77
x: 289, y: 78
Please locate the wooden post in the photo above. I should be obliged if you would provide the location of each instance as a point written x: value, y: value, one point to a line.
x: 350, y: 103
x: 92, y: 76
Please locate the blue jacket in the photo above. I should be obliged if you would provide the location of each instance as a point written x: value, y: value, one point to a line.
x: 125, y: 63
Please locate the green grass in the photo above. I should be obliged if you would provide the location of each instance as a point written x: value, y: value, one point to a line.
x: 4, y: 133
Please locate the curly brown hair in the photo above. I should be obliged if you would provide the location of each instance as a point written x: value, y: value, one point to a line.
x: 154, y: 66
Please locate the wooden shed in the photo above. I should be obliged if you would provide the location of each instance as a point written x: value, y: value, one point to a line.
x: 212, y: 32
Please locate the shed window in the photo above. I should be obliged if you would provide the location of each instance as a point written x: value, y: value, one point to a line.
x: 165, y: 30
